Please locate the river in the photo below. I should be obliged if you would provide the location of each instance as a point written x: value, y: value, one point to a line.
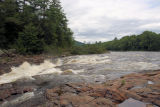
x: 34, y: 80
x: 85, y: 68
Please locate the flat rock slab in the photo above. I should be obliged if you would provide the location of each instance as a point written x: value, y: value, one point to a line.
x: 142, y: 88
x: 110, y: 93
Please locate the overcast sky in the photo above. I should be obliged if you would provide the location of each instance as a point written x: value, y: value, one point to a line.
x: 103, y: 20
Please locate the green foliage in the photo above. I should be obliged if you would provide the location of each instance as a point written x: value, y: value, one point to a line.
x: 30, y: 25
x: 28, y: 41
x: 56, y: 51
x: 96, y: 48
x: 77, y: 43
x: 9, y: 23
x: 147, y: 41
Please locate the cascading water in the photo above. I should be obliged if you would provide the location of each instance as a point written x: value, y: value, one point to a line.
x: 90, y: 68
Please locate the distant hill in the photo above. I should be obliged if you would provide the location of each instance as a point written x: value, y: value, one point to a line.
x: 77, y: 43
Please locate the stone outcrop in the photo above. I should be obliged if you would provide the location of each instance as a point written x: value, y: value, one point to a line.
x: 7, y: 91
x: 144, y: 87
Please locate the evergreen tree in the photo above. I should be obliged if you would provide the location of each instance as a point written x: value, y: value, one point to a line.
x: 47, y: 21
x: 9, y: 25
x: 28, y: 42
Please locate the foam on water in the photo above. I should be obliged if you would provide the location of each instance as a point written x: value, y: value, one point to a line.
x: 29, y: 70
x: 75, y: 71
x: 59, y: 62
x: 144, y: 65
x: 87, y: 59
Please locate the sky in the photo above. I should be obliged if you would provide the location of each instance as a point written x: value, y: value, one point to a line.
x: 103, y: 20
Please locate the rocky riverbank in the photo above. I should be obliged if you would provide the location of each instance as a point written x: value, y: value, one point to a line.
x: 141, y: 89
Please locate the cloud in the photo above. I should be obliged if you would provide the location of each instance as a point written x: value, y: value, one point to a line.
x: 101, y: 20
x: 151, y: 26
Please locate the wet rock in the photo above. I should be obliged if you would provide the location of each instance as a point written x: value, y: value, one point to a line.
x: 19, y: 99
x: 76, y: 100
x: 84, y: 95
x: 8, y: 90
x: 132, y: 103
x: 111, y: 93
x: 108, y: 94
x: 150, y: 105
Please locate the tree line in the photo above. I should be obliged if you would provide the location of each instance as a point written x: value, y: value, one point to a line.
x: 147, y: 41
x: 32, y: 26
x: 96, y: 48
x: 38, y: 26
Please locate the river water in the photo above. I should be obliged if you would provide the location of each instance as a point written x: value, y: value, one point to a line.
x: 86, y: 68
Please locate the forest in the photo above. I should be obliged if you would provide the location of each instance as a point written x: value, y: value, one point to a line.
x: 39, y: 26
x: 147, y: 41
x: 33, y: 26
